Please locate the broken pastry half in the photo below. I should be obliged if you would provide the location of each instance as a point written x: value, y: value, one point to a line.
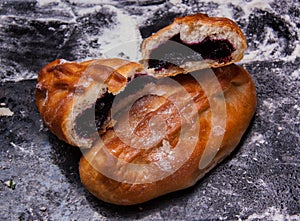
x: 191, y: 43
x: 74, y: 99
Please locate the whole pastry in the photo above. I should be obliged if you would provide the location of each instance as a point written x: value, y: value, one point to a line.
x: 124, y: 172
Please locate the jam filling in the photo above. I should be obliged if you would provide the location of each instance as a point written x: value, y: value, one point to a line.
x: 93, y: 118
x: 102, y: 109
x: 169, y: 54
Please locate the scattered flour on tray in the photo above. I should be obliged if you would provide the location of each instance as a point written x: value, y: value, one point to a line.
x: 121, y: 40
x: 248, y: 7
x: 4, y: 111
x: 258, y: 139
x: 273, y: 213
x: 124, y: 39
x: 47, y: 2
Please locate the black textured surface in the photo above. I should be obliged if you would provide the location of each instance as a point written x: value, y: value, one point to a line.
x: 259, y: 181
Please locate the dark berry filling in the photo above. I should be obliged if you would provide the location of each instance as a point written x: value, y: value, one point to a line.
x: 170, y: 53
x: 93, y: 118
x: 136, y: 75
x: 102, y: 109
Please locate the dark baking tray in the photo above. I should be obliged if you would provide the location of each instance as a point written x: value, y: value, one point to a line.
x: 260, y: 180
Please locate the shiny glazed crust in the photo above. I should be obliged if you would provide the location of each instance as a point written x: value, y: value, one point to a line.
x: 192, y: 29
x: 65, y: 89
x: 240, y: 102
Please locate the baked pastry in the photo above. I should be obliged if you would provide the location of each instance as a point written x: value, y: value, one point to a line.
x: 191, y: 43
x: 67, y: 92
x: 191, y: 142
x: 162, y: 133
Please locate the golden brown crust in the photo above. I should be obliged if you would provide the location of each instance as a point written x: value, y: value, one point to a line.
x: 212, y: 21
x: 66, y: 89
x: 240, y: 102
x: 193, y: 28
x: 63, y: 85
